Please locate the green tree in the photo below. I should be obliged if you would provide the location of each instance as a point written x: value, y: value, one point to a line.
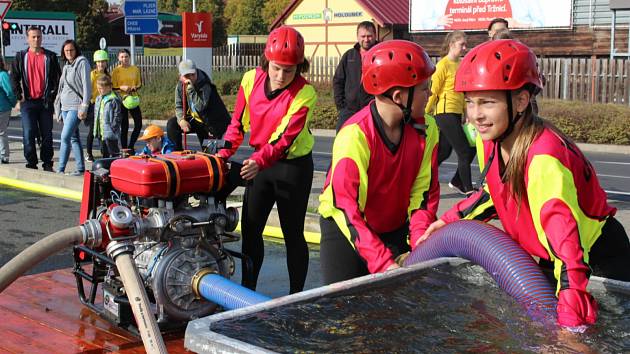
x: 245, y: 17
x: 273, y: 9
x: 91, y: 23
x: 219, y: 28
x: 185, y: 6
x: 169, y: 6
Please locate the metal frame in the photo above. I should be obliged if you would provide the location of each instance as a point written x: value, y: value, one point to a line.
x: 200, y: 338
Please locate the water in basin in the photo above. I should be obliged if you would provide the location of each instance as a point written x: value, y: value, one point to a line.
x: 446, y: 309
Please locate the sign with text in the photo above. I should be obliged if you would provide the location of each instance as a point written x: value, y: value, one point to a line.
x: 147, y: 8
x: 448, y: 15
x: 141, y: 25
x: 197, y: 33
x: 197, y: 29
x: 54, y: 33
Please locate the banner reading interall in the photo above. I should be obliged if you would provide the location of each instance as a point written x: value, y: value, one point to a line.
x: 447, y: 15
x: 54, y: 33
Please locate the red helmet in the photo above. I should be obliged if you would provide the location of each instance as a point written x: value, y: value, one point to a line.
x: 503, y: 64
x: 395, y: 63
x: 285, y: 46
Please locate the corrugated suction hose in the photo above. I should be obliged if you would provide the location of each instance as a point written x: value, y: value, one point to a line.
x: 514, y: 270
x: 226, y: 293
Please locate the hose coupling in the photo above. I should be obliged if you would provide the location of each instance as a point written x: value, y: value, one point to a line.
x: 116, y: 248
x: 92, y: 233
x: 121, y: 217
x: 197, y: 278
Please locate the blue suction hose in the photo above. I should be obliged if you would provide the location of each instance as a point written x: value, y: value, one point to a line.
x: 226, y: 293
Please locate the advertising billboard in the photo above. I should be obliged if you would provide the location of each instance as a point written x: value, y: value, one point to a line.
x: 469, y: 15
x: 54, y: 31
x: 168, y: 42
x: 197, y: 33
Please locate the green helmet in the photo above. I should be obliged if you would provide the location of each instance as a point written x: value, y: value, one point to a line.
x: 131, y: 101
x: 101, y: 55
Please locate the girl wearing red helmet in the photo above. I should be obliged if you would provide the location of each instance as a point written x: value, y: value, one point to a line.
x: 537, y: 181
x: 275, y: 104
x: 382, y: 187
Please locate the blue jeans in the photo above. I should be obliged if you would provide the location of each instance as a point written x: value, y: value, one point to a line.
x: 70, y: 136
x: 37, y: 121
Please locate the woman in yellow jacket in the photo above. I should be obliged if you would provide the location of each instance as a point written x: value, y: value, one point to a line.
x: 127, y: 80
x: 448, y: 107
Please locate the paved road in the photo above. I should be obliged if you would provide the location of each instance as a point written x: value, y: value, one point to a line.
x: 612, y: 169
x: 27, y: 218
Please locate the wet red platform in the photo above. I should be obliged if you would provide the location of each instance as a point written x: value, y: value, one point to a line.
x: 42, y: 313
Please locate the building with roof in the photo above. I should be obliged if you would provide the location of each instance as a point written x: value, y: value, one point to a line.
x: 329, y: 27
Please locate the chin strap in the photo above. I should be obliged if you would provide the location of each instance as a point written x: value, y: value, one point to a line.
x: 512, y: 120
x: 405, y: 110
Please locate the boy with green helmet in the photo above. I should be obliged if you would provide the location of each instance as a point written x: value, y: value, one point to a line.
x: 101, y: 61
x: 101, y: 55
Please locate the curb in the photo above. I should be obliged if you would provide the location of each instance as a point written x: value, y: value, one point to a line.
x: 311, y: 237
x: 59, y: 192
x: 615, y: 149
x: 331, y: 133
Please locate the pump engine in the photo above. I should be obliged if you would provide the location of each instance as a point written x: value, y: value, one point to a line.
x: 171, y: 209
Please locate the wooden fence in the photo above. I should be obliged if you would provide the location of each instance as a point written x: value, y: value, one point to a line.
x: 321, y: 70
x: 234, y: 62
x: 579, y: 79
x: 154, y: 66
x: 589, y: 80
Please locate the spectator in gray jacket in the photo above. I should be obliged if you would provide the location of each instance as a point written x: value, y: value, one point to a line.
x: 198, y: 107
x: 72, y: 103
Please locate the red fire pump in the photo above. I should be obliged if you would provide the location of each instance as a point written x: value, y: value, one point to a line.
x: 170, y: 211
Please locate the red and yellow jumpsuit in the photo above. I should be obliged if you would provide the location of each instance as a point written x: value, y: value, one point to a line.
x: 563, y: 216
x: 376, y: 194
x: 278, y: 123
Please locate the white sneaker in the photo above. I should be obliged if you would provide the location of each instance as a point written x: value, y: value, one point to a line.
x: 452, y: 186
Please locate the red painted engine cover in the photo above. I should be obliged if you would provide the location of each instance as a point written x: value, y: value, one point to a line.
x: 168, y: 175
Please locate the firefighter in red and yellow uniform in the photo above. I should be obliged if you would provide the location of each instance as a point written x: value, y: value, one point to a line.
x: 382, y: 186
x: 537, y: 181
x: 275, y: 104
